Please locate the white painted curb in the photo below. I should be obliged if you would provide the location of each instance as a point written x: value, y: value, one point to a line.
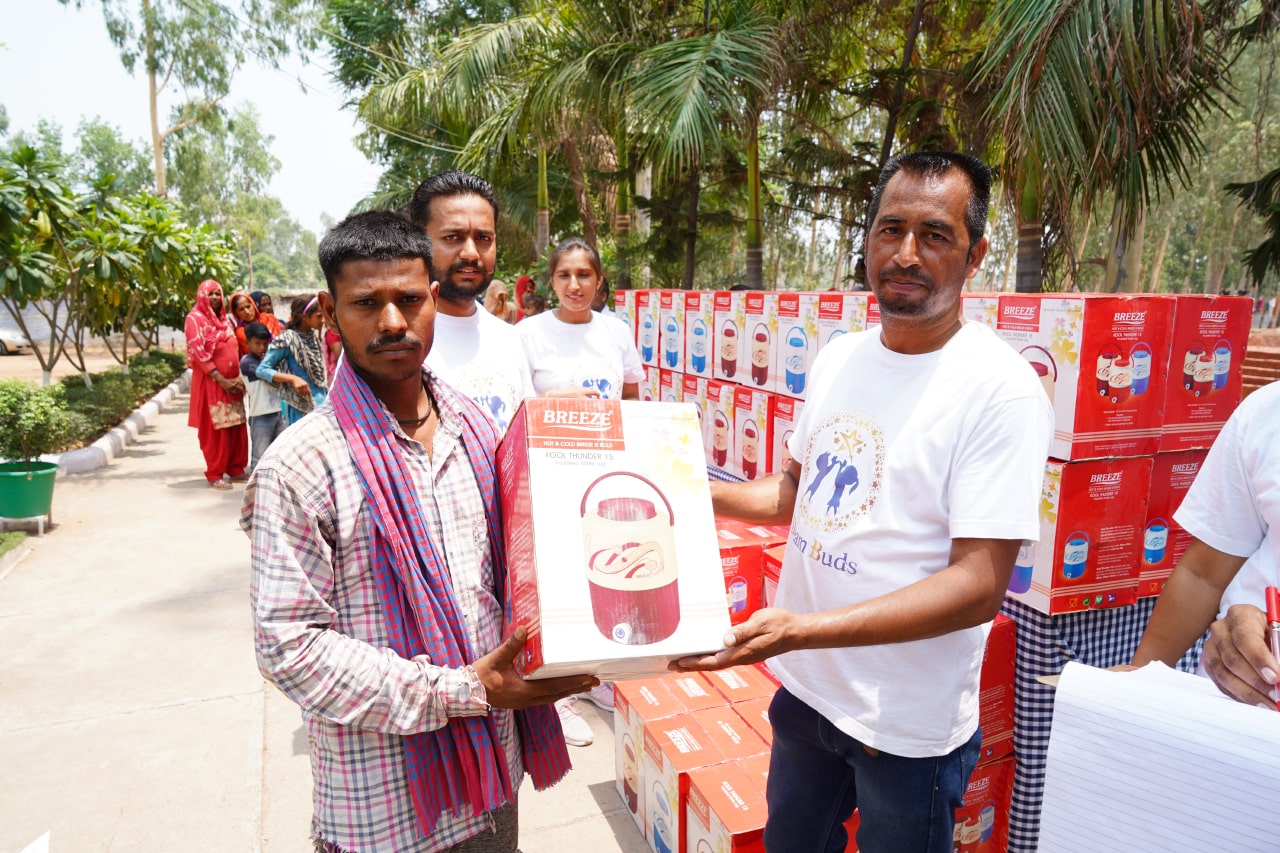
x: 106, y: 448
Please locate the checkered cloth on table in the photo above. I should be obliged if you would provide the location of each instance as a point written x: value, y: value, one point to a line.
x: 1046, y: 644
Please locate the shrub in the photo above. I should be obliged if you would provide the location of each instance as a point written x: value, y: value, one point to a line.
x: 33, y: 420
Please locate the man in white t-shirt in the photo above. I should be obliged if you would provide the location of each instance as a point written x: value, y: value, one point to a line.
x: 473, y: 351
x: 1233, y: 512
x: 917, y: 468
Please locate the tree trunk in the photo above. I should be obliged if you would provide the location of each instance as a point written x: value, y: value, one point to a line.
x: 622, y: 214
x: 811, y: 266
x: 691, y: 230
x: 755, y: 230
x: 1195, y: 244
x: 1124, y: 256
x: 1157, y: 263
x: 153, y: 94
x: 579, y: 179
x: 1218, y: 258
x: 895, y: 107
x: 542, y: 236
x: 1030, y: 269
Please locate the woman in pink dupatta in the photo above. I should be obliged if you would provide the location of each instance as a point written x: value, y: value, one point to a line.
x: 217, y: 391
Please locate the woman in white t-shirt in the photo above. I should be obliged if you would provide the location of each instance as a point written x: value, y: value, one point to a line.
x: 574, y: 351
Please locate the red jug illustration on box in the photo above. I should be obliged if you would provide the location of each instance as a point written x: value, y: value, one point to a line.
x: 1045, y: 367
x: 760, y: 355
x: 631, y: 563
x: 729, y: 349
x: 750, y: 449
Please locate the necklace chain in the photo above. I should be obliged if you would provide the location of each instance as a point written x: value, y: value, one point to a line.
x: 416, y: 422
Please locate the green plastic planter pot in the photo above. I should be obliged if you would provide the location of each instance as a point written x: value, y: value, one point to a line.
x: 26, y: 488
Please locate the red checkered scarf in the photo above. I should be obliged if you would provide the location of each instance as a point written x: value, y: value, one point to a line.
x: 461, y: 767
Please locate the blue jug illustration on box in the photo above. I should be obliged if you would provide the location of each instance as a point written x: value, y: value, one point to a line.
x: 671, y: 342
x: 1140, y: 358
x: 698, y: 348
x: 1221, y: 364
x: 1154, y: 540
x: 796, y: 359
x: 1075, y: 555
x: 646, y: 340
x: 1023, y: 566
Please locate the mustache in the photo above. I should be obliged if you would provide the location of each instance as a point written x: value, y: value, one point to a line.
x: 459, y: 266
x: 896, y: 271
x: 379, y: 343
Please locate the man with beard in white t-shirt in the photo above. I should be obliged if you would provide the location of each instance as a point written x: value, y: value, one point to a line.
x: 916, y: 472
x: 474, y: 351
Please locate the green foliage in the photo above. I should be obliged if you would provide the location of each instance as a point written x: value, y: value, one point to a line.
x: 11, y: 539
x: 33, y: 420
x: 115, y: 394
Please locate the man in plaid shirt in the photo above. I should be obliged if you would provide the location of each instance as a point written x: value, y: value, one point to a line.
x: 378, y: 578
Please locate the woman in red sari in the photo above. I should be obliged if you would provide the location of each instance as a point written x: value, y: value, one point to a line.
x: 217, y: 391
x: 243, y: 312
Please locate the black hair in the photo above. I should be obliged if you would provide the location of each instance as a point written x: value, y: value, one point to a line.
x: 298, y: 309
x: 935, y: 164
x: 568, y: 245
x: 447, y: 185
x: 377, y: 235
x: 255, y: 331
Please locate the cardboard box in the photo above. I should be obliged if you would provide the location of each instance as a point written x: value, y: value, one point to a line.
x: 726, y: 811
x: 795, y: 343
x: 699, y: 333
x: 995, y: 689
x: 982, y: 823
x: 693, y: 691
x: 673, y: 748
x: 694, y: 390
x: 741, y: 684
x: 624, y: 306
x: 760, y: 327
x: 742, y: 559
x: 730, y: 732
x: 1206, y: 368
x: 648, y: 325
x: 771, y: 573
x: 649, y: 388
x: 981, y: 308
x: 756, y: 713
x: 757, y: 767
x: 1099, y: 358
x: 733, y: 353
x: 637, y: 703
x: 840, y: 314
x: 611, y: 544
x: 1164, y: 541
x: 786, y: 412
x: 671, y: 388
x: 718, y: 426
x: 753, y: 424
x: 1092, y: 515
x: 671, y: 323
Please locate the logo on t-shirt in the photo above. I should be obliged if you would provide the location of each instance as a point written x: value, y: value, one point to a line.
x: 843, y: 467
x: 490, y: 389
x: 598, y: 375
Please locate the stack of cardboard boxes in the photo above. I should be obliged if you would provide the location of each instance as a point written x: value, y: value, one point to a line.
x: 742, y: 357
x: 1140, y: 386
x: 691, y: 755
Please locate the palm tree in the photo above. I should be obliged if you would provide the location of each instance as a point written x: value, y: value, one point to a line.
x: 1103, y: 98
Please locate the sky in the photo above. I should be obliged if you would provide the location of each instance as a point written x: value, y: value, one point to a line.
x: 321, y: 170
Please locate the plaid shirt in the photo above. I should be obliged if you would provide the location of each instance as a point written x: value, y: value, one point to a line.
x: 320, y: 635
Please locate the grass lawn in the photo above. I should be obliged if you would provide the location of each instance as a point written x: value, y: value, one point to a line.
x: 11, y: 540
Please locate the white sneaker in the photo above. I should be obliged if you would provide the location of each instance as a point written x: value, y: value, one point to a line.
x: 577, y: 731
x: 601, y: 696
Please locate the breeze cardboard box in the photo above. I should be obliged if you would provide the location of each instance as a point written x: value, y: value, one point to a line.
x: 647, y: 325
x: 726, y: 811
x: 718, y: 424
x: 795, y: 342
x: 1092, y: 515
x: 671, y: 320
x: 613, y: 561
x: 786, y: 413
x: 1206, y: 368
x: 760, y: 318
x: 995, y: 689
x: 1163, y: 539
x: 1099, y: 358
x: 699, y: 333
x: 732, y: 356
x: 638, y: 703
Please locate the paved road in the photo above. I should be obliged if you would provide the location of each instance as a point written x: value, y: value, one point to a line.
x: 132, y: 715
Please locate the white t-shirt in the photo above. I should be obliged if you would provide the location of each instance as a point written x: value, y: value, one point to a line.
x: 599, y: 354
x: 481, y: 356
x: 901, y: 454
x: 1234, y: 503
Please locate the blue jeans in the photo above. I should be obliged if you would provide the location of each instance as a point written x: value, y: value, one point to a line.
x: 818, y: 775
x: 263, y: 429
